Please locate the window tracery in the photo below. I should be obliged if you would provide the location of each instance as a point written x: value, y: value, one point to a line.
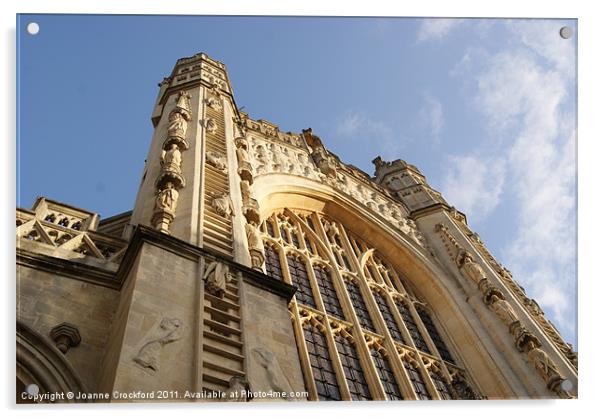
x: 328, y: 263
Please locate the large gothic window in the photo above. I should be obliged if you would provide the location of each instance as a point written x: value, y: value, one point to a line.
x: 358, y: 288
x: 321, y: 364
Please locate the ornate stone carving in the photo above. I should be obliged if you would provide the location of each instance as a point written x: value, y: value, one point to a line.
x: 222, y: 204
x: 524, y: 340
x: 214, y: 103
x: 177, y: 125
x: 171, y: 159
x: 167, y: 199
x: 319, y: 154
x: 462, y: 389
x: 217, y: 160
x: 65, y: 336
x: 148, y: 355
x: 250, y: 207
x: 274, y: 376
x: 255, y: 243
x: 217, y: 276
x: 245, y: 169
x: 469, y: 267
x: 503, y: 310
x: 238, y: 389
x: 211, y: 125
x: 183, y: 104
x: 165, y: 207
x: 546, y: 368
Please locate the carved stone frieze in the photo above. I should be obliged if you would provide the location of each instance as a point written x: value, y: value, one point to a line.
x: 493, y: 297
x: 274, y: 377
x: 148, y: 356
x: 211, y: 125
x: 217, y: 160
x: 214, y: 103
x: 222, y: 204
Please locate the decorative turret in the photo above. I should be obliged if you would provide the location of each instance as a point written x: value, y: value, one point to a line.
x: 406, y: 183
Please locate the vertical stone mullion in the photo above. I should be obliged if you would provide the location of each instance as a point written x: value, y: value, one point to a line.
x: 303, y: 352
x: 336, y: 361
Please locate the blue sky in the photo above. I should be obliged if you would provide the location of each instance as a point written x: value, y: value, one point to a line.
x: 484, y: 107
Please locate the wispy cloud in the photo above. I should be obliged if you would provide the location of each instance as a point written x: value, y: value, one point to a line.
x: 436, y: 28
x: 474, y: 184
x: 431, y: 116
x: 522, y: 91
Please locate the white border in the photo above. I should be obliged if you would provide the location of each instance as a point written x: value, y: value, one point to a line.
x: 589, y: 138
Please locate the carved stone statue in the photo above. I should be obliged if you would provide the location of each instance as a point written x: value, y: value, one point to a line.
x: 167, y: 199
x: 177, y: 125
x: 274, y: 376
x: 473, y: 270
x: 255, y: 243
x: 277, y: 157
x: 323, y: 161
x: 238, y: 389
x: 183, y: 101
x: 171, y: 160
x: 216, y: 160
x: 216, y: 277
x: 241, y: 153
x: 148, y: 355
x: 261, y: 154
x: 543, y: 364
x: 503, y: 310
x: 222, y: 203
x: 415, y: 234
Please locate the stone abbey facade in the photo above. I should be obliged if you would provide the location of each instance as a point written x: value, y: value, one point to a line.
x: 257, y: 266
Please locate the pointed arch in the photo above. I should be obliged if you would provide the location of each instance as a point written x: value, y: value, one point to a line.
x: 40, y: 362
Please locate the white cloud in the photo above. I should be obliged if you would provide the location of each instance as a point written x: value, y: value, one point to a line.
x: 474, y: 184
x: 523, y: 93
x: 431, y: 116
x: 436, y: 28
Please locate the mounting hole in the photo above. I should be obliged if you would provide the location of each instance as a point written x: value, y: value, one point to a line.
x: 32, y: 390
x: 566, y: 32
x: 33, y: 28
x: 566, y: 385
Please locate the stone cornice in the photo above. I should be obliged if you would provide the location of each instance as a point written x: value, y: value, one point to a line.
x: 144, y: 234
x: 68, y: 268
